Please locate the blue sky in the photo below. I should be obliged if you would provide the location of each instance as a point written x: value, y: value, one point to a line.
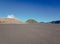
x: 40, y: 10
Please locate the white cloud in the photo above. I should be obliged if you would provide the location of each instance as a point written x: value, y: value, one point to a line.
x: 10, y: 16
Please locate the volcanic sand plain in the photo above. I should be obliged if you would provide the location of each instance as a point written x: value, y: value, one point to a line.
x: 30, y: 33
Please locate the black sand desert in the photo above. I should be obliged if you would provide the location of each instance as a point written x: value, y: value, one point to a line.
x: 29, y: 33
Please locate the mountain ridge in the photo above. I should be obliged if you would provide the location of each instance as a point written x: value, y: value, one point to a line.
x: 10, y: 21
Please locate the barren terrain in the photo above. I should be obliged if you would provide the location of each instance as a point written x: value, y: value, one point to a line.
x: 29, y: 33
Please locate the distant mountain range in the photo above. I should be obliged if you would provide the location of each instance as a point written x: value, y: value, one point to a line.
x: 56, y: 22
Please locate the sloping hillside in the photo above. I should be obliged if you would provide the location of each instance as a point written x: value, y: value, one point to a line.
x: 10, y: 21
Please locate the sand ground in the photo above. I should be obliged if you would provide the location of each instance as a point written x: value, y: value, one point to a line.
x: 30, y: 34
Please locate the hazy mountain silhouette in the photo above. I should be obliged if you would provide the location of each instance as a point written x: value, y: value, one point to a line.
x: 55, y: 22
